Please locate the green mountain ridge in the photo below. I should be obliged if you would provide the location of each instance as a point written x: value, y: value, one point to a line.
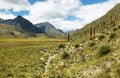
x: 103, y: 24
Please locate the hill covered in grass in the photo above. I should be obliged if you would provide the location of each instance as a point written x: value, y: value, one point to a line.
x: 9, y: 32
x: 101, y: 25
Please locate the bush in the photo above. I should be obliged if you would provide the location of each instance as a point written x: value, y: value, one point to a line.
x: 65, y: 55
x: 91, y: 44
x: 77, y: 45
x: 101, y: 37
x: 114, y: 29
x: 112, y: 35
x: 104, y: 49
x: 119, y: 26
x: 61, y: 46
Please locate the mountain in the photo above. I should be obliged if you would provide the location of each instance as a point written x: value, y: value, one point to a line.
x: 1, y: 19
x: 9, y: 32
x: 101, y: 25
x: 49, y: 29
x: 22, y: 25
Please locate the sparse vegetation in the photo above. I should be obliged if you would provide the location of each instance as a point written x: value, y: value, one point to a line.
x: 65, y: 55
x: 112, y: 35
x: 91, y: 44
x: 118, y: 26
x: 101, y: 37
x: 61, y: 46
x: 77, y: 45
x: 104, y: 49
x: 114, y: 29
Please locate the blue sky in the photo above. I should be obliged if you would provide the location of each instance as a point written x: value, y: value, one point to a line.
x: 89, y: 2
x: 63, y: 14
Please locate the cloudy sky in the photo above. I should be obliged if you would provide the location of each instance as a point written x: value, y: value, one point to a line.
x: 63, y: 14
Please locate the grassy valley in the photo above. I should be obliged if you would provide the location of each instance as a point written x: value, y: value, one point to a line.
x: 93, y: 52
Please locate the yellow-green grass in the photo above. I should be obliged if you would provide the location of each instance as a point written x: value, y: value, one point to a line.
x: 22, y: 42
x: 22, y: 62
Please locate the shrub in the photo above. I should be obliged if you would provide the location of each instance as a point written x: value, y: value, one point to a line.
x: 91, y: 44
x: 114, y: 29
x: 112, y: 35
x: 119, y: 26
x: 101, y: 37
x: 65, y: 55
x: 104, y: 49
x: 61, y: 46
x: 77, y: 45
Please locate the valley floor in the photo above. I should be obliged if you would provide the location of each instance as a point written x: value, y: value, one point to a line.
x: 55, y: 58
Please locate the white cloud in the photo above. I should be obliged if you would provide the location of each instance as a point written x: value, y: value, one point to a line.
x: 95, y: 11
x: 6, y: 16
x: 66, y: 25
x: 15, y: 5
x: 54, y: 11
x: 54, y: 8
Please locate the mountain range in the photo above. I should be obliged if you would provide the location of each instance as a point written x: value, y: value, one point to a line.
x: 25, y: 26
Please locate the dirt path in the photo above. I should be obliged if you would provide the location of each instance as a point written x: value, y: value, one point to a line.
x: 48, y: 62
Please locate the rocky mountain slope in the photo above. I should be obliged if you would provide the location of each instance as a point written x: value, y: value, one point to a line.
x: 24, y: 25
x: 49, y: 29
x: 9, y: 32
x: 1, y: 19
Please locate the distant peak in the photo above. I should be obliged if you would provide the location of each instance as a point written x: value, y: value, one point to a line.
x: 19, y: 16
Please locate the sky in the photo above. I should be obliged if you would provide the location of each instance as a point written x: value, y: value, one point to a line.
x: 63, y: 14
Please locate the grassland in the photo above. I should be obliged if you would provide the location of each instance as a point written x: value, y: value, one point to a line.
x: 20, y: 42
x: 43, y: 58
x: 26, y: 57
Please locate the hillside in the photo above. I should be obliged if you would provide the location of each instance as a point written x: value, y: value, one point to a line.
x: 101, y: 25
x: 49, y: 29
x: 1, y: 20
x: 90, y: 54
x: 9, y: 32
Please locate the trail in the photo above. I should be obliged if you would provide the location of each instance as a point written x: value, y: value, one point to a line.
x: 48, y: 62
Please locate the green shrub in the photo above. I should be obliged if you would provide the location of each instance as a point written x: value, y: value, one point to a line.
x: 104, y: 49
x: 101, y: 37
x: 61, y: 46
x: 65, y: 55
x: 114, y: 29
x: 91, y: 44
x: 119, y: 26
x: 77, y: 45
x: 112, y: 35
